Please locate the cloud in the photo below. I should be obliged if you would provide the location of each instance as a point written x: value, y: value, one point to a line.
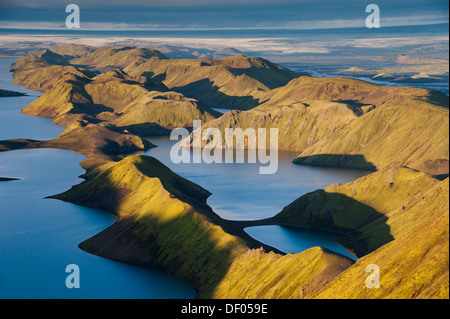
x: 219, y: 15
x: 277, y: 46
x: 272, y: 25
x: 151, y: 3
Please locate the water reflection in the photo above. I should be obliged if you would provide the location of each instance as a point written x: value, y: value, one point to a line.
x: 295, y: 240
x: 39, y: 237
x: 240, y: 192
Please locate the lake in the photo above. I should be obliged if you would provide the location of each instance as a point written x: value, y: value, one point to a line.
x: 39, y: 237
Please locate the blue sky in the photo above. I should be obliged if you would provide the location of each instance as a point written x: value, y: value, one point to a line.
x: 213, y: 14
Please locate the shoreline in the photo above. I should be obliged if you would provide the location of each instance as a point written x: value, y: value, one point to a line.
x: 125, y: 241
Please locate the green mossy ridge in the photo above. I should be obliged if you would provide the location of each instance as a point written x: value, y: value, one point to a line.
x: 119, y: 57
x: 230, y: 82
x: 413, y: 135
x: 164, y: 222
x: 260, y: 275
x: 61, y: 98
x: 397, y: 219
x: 38, y: 60
x: 119, y: 99
x: 44, y: 78
x: 350, y: 123
x: 414, y: 265
x: 412, y: 123
x: 371, y: 209
x: 235, y: 82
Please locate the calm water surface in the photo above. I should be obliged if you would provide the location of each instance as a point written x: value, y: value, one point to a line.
x: 239, y: 192
x: 39, y: 237
x: 13, y: 124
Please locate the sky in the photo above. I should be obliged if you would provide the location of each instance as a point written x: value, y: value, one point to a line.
x: 223, y: 14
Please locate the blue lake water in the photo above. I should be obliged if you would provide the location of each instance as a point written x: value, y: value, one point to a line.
x: 295, y: 240
x: 238, y: 190
x: 13, y: 124
x: 39, y: 237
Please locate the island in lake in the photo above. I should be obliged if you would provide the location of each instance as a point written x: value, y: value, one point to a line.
x: 110, y: 98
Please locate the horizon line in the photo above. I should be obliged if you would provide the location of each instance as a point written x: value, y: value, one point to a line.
x: 214, y: 29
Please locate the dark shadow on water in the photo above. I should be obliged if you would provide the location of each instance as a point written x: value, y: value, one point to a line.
x: 365, y: 228
x: 356, y: 161
x: 188, y: 244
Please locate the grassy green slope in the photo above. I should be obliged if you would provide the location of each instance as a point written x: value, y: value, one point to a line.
x: 119, y: 99
x: 412, y: 133
x: 414, y: 265
x: 373, y: 210
x: 350, y: 123
x: 397, y: 219
x: 164, y: 222
x: 231, y: 82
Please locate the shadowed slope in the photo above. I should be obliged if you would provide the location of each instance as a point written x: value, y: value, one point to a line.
x: 164, y: 222
x: 349, y: 123
x: 232, y: 82
x: 414, y: 265
x: 119, y: 99
x: 372, y: 210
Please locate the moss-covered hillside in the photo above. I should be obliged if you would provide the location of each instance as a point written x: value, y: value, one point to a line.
x: 164, y: 222
x: 349, y: 123
x: 396, y: 219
